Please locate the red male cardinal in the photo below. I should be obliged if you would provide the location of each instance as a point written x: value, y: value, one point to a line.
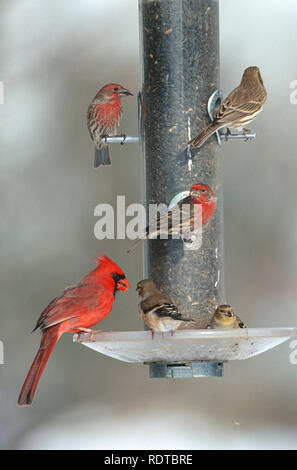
x: 179, y: 219
x: 103, y: 118
x: 76, y: 310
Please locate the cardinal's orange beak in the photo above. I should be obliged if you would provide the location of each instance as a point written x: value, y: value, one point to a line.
x: 124, y: 285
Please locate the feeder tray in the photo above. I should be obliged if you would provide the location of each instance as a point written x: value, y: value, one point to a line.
x: 186, y: 346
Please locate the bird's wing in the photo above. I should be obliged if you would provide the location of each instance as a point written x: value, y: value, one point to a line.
x: 95, y: 122
x: 240, y: 323
x: 172, y: 220
x: 233, y: 108
x: 167, y: 310
x: 90, y: 119
x: 73, y: 302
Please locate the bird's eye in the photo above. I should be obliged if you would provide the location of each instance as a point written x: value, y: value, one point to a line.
x: 117, y: 277
x: 115, y: 89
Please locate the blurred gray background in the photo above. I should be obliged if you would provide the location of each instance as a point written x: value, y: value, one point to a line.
x: 54, y: 58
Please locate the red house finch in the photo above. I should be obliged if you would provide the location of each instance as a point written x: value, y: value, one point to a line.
x: 180, y: 220
x: 157, y: 310
x: 103, y: 118
x: 76, y: 310
x: 239, y: 108
x: 225, y: 318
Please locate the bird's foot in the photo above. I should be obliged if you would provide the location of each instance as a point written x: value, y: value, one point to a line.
x: 92, y: 333
x: 245, y: 132
x: 226, y: 134
x: 87, y: 330
x: 104, y: 137
x: 124, y: 138
x: 153, y: 333
x: 82, y: 330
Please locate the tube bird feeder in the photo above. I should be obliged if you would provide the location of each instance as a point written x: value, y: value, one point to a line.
x: 180, y: 92
x: 180, y: 71
x: 180, y: 47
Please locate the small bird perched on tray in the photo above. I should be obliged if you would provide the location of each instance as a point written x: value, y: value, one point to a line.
x: 225, y: 318
x: 157, y: 310
x: 240, y: 107
x: 103, y: 117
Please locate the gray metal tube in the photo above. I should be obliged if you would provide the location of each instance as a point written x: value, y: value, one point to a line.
x: 180, y: 70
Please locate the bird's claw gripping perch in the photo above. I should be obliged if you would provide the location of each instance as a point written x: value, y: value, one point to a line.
x: 87, y: 330
x: 226, y: 134
x: 245, y: 132
x: 124, y: 138
x: 92, y: 333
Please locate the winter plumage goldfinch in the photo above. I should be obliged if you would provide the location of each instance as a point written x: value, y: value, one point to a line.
x: 157, y: 310
x: 225, y: 318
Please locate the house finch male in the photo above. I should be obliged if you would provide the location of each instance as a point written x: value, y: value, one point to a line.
x: 103, y: 118
x: 180, y: 220
x: 157, y: 310
x: 225, y: 318
x: 239, y: 108
x: 76, y: 310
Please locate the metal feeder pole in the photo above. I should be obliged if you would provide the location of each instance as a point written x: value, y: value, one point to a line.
x: 180, y: 71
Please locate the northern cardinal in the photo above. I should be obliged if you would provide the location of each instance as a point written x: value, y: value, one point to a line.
x: 103, y: 117
x: 240, y: 107
x: 157, y: 310
x: 76, y: 310
x: 180, y: 220
x: 225, y: 318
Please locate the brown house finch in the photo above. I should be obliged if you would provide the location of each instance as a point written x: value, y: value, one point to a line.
x: 157, y: 310
x: 225, y: 318
x: 239, y: 108
x: 76, y: 310
x: 181, y: 220
x: 103, y: 118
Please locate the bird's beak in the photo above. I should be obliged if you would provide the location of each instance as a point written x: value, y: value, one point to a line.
x: 125, y: 92
x: 124, y: 285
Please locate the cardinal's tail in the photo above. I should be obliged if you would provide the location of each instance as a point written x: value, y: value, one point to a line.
x: 201, y: 138
x: 102, y: 156
x: 49, y: 340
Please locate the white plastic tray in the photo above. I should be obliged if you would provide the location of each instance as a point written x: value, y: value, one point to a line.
x: 187, y: 345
